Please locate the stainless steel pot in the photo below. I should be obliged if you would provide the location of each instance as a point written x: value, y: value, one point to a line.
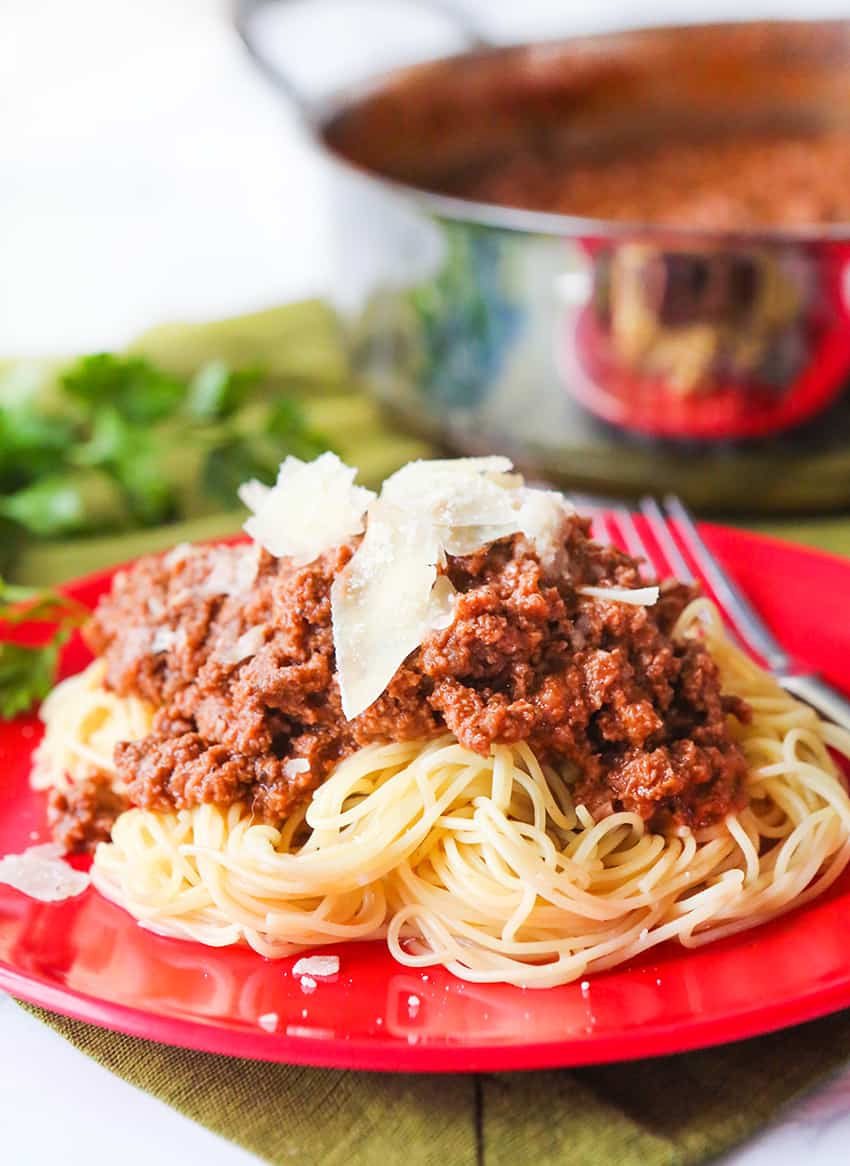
x: 484, y: 325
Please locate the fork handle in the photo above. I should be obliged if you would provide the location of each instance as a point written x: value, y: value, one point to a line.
x: 820, y: 696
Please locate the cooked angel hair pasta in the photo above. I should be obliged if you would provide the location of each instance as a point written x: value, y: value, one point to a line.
x: 483, y: 863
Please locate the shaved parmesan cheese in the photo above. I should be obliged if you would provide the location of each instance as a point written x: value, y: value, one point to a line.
x: 462, y: 492
x: 312, y: 507
x: 178, y: 554
x: 317, y: 965
x: 380, y: 603
x: 137, y: 641
x: 163, y: 639
x: 268, y: 1021
x: 541, y: 516
x: 248, y: 644
x: 254, y: 494
x: 638, y: 596
x: 475, y: 501
x: 296, y: 766
x: 441, y: 605
x: 308, y: 985
x: 234, y: 570
x: 40, y: 873
x: 388, y: 598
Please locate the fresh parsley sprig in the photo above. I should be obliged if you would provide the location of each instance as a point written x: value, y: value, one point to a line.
x: 114, y: 442
x: 27, y: 672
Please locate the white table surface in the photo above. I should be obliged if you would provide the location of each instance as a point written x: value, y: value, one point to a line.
x: 147, y: 173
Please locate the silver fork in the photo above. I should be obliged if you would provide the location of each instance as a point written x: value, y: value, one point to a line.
x: 674, y: 531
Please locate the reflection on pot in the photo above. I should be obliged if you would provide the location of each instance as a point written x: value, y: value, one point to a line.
x: 702, y: 341
x: 448, y: 335
x: 698, y: 316
x: 663, y: 335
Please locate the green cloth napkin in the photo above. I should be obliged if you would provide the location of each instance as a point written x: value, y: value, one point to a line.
x: 824, y: 534
x: 672, y: 1111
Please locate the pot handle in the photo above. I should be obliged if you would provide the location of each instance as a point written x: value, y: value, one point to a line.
x: 245, y: 12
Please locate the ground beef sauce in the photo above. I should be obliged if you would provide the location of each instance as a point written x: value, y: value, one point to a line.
x: 601, y: 684
x: 84, y: 814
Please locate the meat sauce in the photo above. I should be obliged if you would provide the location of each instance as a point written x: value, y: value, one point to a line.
x: 248, y: 705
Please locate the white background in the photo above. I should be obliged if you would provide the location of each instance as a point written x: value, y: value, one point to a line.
x: 147, y: 173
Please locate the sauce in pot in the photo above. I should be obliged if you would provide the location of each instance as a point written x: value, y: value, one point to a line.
x: 758, y: 180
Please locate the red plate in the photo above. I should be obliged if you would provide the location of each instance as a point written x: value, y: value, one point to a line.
x: 88, y: 959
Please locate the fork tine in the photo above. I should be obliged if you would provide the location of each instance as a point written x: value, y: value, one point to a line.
x: 634, y: 544
x: 590, y: 507
x: 734, y: 603
x: 661, y: 533
x: 601, y: 527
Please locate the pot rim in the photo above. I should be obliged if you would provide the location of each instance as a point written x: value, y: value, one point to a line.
x: 318, y: 115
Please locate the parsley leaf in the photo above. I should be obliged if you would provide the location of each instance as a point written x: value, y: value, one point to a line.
x: 218, y: 391
x: 133, y: 456
x: 137, y: 389
x: 114, y: 441
x: 26, y: 675
x: 20, y: 604
x: 66, y: 503
x: 27, y: 672
x: 31, y: 443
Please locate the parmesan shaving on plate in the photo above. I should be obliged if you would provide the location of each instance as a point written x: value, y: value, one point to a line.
x: 312, y: 507
x: 40, y: 873
x: 317, y: 965
x: 637, y: 596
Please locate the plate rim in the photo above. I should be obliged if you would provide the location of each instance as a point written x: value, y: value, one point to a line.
x: 387, y: 1054
x: 432, y: 1057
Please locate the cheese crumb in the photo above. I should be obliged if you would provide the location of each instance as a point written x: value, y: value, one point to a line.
x: 163, y: 639
x: 268, y: 1021
x: 234, y: 570
x: 294, y: 767
x: 317, y: 965
x: 637, y: 596
x: 178, y: 555
x: 248, y: 644
x: 308, y: 985
x: 40, y: 873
